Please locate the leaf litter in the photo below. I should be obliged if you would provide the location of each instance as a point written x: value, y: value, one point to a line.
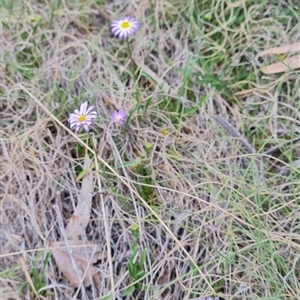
x: 74, y: 256
x: 292, y: 62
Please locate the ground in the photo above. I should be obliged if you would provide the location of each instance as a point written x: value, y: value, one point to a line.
x: 195, y: 195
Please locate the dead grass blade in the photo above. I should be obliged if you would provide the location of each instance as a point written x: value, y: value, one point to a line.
x: 282, y: 49
x: 285, y: 144
x: 292, y: 62
x: 230, y: 130
x: 28, y: 277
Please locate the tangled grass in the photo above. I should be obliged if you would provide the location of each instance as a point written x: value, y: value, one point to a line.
x: 202, y: 181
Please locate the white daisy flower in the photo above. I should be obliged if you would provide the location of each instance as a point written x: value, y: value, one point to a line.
x: 124, y: 27
x: 83, y: 117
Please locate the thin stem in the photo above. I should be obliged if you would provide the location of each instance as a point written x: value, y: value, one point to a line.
x: 129, y: 50
x: 131, y: 64
x: 105, y: 219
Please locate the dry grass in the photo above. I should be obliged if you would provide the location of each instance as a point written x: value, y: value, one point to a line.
x: 217, y: 213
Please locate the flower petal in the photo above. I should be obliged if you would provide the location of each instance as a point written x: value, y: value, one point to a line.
x: 83, y: 107
x: 89, y: 110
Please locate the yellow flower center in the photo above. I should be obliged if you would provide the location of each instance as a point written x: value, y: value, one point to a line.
x: 164, y: 131
x: 125, y: 24
x: 81, y: 118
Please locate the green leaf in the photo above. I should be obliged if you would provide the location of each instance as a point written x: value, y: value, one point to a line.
x: 46, y: 262
x: 128, y: 164
x: 128, y: 291
x: 8, y: 5
x: 140, y: 274
x: 106, y: 297
x: 131, y: 268
x: 194, y: 109
x: 142, y: 259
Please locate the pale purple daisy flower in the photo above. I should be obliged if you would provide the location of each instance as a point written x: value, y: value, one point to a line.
x: 118, y: 116
x: 125, y: 27
x: 82, y: 118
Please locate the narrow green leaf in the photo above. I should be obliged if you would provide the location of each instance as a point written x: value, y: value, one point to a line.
x: 140, y: 274
x: 142, y: 259
x: 106, y: 297
x: 128, y: 291
x: 131, y: 268
x: 194, y: 109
